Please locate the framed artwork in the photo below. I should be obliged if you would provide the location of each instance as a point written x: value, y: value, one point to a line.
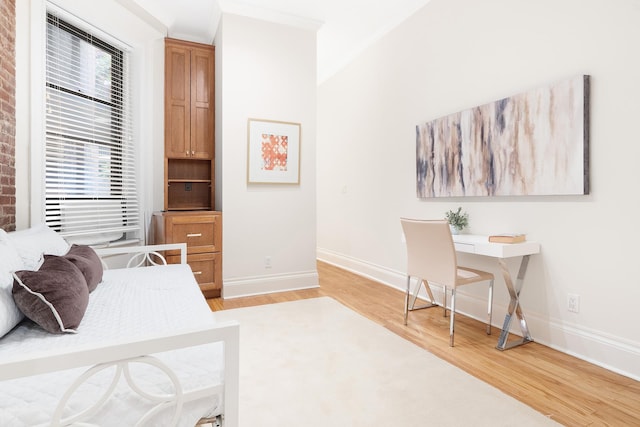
x: 274, y: 152
x: 531, y: 144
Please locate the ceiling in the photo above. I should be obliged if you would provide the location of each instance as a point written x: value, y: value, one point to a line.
x: 344, y: 27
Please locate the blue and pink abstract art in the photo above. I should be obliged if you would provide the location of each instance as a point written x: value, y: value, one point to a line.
x: 534, y: 143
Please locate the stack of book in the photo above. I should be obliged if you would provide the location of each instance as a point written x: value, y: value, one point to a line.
x: 507, y: 238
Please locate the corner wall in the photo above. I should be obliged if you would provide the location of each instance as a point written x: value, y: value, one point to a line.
x: 456, y: 54
x: 265, y: 71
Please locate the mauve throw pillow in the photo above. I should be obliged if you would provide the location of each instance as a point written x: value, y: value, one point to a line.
x: 86, y: 259
x: 55, y: 297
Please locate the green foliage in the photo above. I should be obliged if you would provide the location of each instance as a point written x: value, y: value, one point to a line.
x: 458, y: 219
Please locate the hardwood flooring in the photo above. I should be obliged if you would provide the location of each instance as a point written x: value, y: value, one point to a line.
x: 569, y: 390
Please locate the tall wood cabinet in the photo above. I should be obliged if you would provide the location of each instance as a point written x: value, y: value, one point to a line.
x: 189, y: 125
x: 189, y: 184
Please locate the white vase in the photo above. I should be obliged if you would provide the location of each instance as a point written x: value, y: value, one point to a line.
x: 454, y: 230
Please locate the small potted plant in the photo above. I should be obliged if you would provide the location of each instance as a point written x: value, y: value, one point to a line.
x: 458, y: 220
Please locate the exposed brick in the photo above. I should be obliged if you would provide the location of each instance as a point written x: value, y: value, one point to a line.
x: 7, y: 114
x: 8, y: 191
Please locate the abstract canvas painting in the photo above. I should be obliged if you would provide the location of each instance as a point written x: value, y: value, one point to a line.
x: 534, y: 143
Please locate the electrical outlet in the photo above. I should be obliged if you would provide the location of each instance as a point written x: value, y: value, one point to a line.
x: 573, y: 303
x: 267, y: 262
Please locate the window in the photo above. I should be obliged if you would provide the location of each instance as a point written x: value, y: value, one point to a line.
x: 90, y: 179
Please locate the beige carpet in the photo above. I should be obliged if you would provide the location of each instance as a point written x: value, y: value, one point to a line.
x: 317, y: 363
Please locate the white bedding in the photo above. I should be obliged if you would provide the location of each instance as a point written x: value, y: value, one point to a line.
x: 129, y: 303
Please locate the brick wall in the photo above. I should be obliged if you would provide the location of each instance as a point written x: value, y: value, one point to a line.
x: 7, y: 114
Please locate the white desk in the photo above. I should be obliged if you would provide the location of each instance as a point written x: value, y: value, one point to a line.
x: 480, y: 245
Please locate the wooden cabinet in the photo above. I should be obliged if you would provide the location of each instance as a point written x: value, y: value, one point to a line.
x: 189, y: 215
x: 202, y: 232
x: 189, y: 125
x: 189, y: 99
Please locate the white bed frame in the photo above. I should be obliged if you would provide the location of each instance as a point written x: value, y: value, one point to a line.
x: 123, y: 352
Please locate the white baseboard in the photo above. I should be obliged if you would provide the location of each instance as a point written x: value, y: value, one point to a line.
x: 593, y: 346
x: 248, y: 286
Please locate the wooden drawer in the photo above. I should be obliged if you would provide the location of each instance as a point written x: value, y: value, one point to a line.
x: 202, y: 232
x: 199, y: 235
x: 207, y: 270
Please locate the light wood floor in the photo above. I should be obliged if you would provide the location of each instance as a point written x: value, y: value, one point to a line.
x: 569, y: 390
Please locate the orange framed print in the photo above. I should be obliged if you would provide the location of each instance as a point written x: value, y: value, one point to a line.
x: 274, y: 152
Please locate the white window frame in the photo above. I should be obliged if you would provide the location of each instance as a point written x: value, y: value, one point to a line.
x: 38, y: 14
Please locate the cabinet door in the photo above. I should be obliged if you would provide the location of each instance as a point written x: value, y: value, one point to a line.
x: 202, y: 103
x: 177, y: 133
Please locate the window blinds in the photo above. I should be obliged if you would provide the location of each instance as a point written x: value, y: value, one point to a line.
x: 90, y: 177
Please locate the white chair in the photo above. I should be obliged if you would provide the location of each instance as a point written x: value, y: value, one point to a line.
x: 431, y: 257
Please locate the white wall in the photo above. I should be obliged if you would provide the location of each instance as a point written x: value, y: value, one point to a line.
x: 456, y: 54
x: 147, y: 72
x: 265, y: 71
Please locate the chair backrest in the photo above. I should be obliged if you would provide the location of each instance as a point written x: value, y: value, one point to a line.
x: 430, y: 251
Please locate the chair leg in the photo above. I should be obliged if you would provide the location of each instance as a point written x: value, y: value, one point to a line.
x: 444, y: 301
x: 406, y: 300
x: 490, y: 306
x: 411, y: 305
x: 453, y: 316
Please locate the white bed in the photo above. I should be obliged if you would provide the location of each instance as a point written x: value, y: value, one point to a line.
x: 157, y: 310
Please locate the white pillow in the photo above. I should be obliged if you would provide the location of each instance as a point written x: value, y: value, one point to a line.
x: 10, y: 315
x: 36, y: 241
x: 10, y: 261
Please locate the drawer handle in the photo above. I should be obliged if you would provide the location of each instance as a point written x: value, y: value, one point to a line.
x: 195, y: 273
x: 194, y: 235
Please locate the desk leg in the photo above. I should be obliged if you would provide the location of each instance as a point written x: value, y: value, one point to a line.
x: 514, y: 306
